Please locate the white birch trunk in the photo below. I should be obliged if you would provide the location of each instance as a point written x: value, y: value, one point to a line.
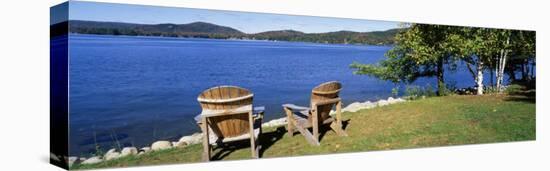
x: 497, y: 69
x: 479, y: 78
x: 502, y: 70
x: 496, y: 73
x: 501, y: 65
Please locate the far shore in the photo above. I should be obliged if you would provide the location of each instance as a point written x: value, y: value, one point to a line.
x: 231, y: 39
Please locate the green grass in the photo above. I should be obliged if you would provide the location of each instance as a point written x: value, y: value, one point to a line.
x: 430, y: 122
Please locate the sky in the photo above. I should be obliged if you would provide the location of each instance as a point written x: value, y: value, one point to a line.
x: 244, y: 21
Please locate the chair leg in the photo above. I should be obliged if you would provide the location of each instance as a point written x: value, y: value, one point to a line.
x: 205, y: 143
x: 307, y: 135
x: 315, y: 122
x: 292, y: 124
x: 337, y: 124
x: 289, y: 119
x: 338, y: 129
x: 258, y: 146
x: 252, y: 138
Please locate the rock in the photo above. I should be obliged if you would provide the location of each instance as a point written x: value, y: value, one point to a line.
x: 111, y: 156
x: 196, y: 138
x: 92, y: 160
x: 399, y: 100
x: 112, y: 150
x: 275, y: 122
x: 391, y: 100
x: 82, y: 159
x: 180, y: 144
x: 369, y: 105
x: 161, y: 145
x: 128, y: 151
x: 141, y: 153
x: 354, y: 107
x: 382, y: 102
x: 145, y: 149
x: 72, y: 160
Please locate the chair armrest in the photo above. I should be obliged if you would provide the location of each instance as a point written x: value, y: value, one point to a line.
x: 258, y: 112
x: 295, y: 107
x: 198, y: 118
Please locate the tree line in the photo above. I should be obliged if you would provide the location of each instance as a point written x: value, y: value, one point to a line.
x: 208, y: 30
x: 339, y: 37
x: 426, y: 50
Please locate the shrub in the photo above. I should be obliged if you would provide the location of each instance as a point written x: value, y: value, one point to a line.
x: 415, y: 92
x: 490, y: 90
x: 429, y: 91
x: 513, y: 89
x: 395, y: 91
x: 450, y: 88
x: 412, y: 92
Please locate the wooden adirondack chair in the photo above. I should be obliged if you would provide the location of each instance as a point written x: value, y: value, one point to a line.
x: 228, y: 115
x: 323, y: 98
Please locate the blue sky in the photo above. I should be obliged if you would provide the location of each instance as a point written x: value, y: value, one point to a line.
x: 243, y: 21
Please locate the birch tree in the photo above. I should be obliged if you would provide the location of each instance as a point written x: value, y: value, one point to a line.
x: 473, y: 46
x: 502, y: 44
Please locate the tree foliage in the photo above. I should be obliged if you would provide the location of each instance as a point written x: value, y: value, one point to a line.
x: 421, y: 50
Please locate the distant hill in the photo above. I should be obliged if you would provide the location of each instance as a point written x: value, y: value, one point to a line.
x: 196, y: 29
x: 340, y: 37
x: 208, y: 30
x: 287, y: 35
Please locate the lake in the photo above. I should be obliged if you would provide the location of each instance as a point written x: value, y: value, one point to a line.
x: 135, y: 90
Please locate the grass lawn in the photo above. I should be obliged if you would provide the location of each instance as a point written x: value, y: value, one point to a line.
x: 430, y: 122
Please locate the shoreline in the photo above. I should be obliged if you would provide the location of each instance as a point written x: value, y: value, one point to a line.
x: 228, y: 39
x: 196, y: 138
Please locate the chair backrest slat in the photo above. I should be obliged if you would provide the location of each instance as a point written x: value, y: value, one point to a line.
x: 224, y: 98
x: 326, y: 91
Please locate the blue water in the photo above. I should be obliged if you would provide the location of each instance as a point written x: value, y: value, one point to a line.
x: 136, y: 90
